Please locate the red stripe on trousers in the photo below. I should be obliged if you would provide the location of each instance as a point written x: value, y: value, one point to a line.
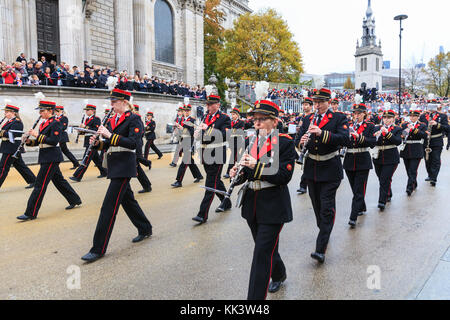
x: 271, y: 261
x: 215, y: 186
x: 4, y: 166
x: 87, y: 161
x: 114, y: 214
x: 42, y: 189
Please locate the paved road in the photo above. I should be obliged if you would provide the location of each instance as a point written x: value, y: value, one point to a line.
x: 407, y: 242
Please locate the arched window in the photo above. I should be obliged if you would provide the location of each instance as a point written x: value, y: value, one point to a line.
x: 164, y: 41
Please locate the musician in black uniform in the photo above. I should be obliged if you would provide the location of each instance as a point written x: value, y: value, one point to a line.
x: 176, y: 133
x: 323, y: 167
x: 438, y: 123
x: 386, y: 156
x: 141, y: 176
x: 92, y: 122
x: 61, y: 117
x: 266, y: 204
x: 8, y: 149
x: 213, y: 155
x: 414, y: 134
x: 357, y: 161
x: 150, y: 136
x: 121, y: 144
x: 187, y: 128
x: 235, y: 139
x: 307, y: 111
x: 50, y: 156
x: 377, y: 118
x: 111, y: 115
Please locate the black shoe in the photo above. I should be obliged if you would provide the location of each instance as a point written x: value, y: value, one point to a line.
x: 75, y: 179
x: 198, y: 180
x: 30, y: 186
x: 428, y: 179
x: 409, y: 193
x: 91, y: 257
x: 352, y: 223
x: 159, y: 157
x: 75, y: 167
x: 226, y: 176
x: 173, y: 165
x: 381, y: 206
x: 301, y: 190
x: 225, y: 206
x: 274, y: 286
x: 433, y: 183
x: 146, y: 190
x: 177, y: 184
x: 388, y: 199
x: 141, y: 237
x: 200, y: 220
x: 361, y: 213
x: 73, y: 206
x: 25, y: 218
x: 318, y: 256
x: 103, y: 175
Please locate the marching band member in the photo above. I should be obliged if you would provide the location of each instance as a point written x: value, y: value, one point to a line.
x: 92, y: 122
x: 61, y: 117
x: 150, y: 136
x: 236, y: 138
x: 386, y: 156
x: 323, y: 167
x: 121, y: 143
x: 266, y: 203
x: 357, y: 161
x: 141, y: 176
x: 8, y: 148
x: 412, y: 148
x: 50, y: 156
x: 176, y: 133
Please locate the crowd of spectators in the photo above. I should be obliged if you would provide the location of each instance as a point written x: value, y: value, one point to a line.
x: 30, y: 72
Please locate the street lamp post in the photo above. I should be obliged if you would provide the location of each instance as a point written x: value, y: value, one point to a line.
x: 400, y: 18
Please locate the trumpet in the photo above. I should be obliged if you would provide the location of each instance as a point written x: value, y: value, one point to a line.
x: 24, y: 139
x: 301, y: 158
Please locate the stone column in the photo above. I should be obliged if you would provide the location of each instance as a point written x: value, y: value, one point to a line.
x: 71, y: 32
x: 124, y: 38
x: 7, y: 46
x: 143, y: 31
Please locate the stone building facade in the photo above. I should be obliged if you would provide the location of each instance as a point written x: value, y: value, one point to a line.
x: 158, y: 37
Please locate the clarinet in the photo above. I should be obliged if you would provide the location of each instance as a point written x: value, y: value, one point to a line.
x: 24, y: 139
x: 78, y: 135
x: 96, y: 136
x: 2, y: 121
x: 301, y: 158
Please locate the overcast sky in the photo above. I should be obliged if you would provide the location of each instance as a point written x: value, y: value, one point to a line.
x: 327, y: 30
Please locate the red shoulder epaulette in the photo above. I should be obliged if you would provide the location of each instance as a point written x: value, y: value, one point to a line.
x: 285, y: 136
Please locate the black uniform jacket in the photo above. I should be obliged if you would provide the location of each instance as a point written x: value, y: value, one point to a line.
x: 393, y: 137
x: 215, y: 134
x: 92, y: 123
x: 335, y: 133
x: 188, y: 129
x: 360, y: 161
x: 271, y: 205
x: 126, y: 134
x: 50, y: 132
x: 150, y: 127
x: 64, y: 122
x: 7, y: 146
x: 440, y: 128
x: 415, y: 150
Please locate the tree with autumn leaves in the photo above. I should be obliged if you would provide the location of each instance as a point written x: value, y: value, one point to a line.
x: 259, y: 47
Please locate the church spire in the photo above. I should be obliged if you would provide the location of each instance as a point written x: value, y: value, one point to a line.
x: 369, y: 11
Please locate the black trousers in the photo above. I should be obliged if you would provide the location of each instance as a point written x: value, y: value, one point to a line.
x: 213, y: 180
x: 142, y: 178
x: 303, y: 182
x: 93, y: 156
x: 433, y: 164
x: 150, y: 144
x: 385, y: 173
x: 7, y: 161
x: 358, y: 182
x: 411, y: 166
x: 266, y: 263
x: 323, y: 198
x: 119, y: 193
x: 65, y: 150
x: 188, y: 161
x: 236, y: 154
x: 49, y: 172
